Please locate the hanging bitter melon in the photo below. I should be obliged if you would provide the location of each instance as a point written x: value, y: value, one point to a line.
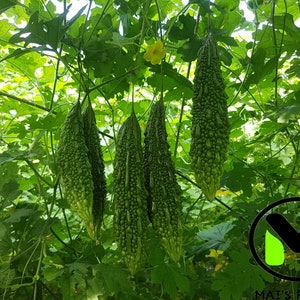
x: 95, y: 157
x: 75, y: 168
x: 130, y: 218
x: 164, y: 191
x: 210, y: 126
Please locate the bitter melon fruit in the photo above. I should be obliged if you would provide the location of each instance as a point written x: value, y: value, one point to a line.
x: 210, y: 126
x: 95, y: 157
x: 164, y: 191
x: 75, y: 168
x: 130, y: 217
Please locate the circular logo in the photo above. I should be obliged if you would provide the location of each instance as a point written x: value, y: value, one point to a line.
x: 272, y: 229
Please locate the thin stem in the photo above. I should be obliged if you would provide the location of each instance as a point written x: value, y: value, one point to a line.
x: 37, y: 174
x: 183, y: 98
x: 61, y: 241
x: 195, y: 184
x: 128, y: 73
x: 295, y: 165
x: 249, y: 65
x: 208, y: 18
x: 132, y: 98
x: 26, y: 102
x: 276, y: 53
x: 36, y: 276
x: 159, y: 18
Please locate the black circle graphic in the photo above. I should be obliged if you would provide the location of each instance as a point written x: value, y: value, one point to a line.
x: 251, y: 239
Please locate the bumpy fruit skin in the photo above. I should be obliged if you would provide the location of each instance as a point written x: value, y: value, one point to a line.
x: 75, y: 169
x: 164, y: 191
x: 95, y: 156
x: 210, y: 126
x: 130, y: 204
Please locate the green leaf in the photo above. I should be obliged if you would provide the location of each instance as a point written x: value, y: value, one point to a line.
x: 19, y: 213
x: 187, y: 30
x: 204, y: 6
x: 171, y: 279
x: 182, y: 282
x: 189, y: 50
x: 113, y: 278
x: 5, y: 157
x: 286, y: 23
x: 239, y: 179
x: 257, y: 62
x: 157, y: 255
x: 52, y: 273
x: 44, y: 32
x: 65, y: 286
x: 171, y: 78
x: 294, y: 69
x: 19, y: 52
x: 230, y: 41
x: 3, y: 231
x: 73, y: 280
x: 239, y: 276
x: 8, y: 173
x: 287, y: 112
x: 269, y: 66
x: 215, y: 236
x: 161, y: 275
x: 6, y: 4
x: 225, y: 56
x: 10, y: 190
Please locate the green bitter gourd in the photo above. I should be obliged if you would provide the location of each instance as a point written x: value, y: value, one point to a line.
x: 130, y: 218
x: 210, y: 126
x: 95, y: 157
x: 75, y: 168
x: 164, y: 191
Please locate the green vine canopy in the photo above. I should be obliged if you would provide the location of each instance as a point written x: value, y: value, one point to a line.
x: 119, y: 56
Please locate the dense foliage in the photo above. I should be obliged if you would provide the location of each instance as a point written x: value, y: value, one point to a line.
x: 115, y: 53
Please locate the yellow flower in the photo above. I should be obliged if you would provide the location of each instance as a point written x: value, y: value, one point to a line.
x: 218, y: 267
x: 214, y: 253
x: 223, y: 192
x: 155, y: 53
x: 220, y: 259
